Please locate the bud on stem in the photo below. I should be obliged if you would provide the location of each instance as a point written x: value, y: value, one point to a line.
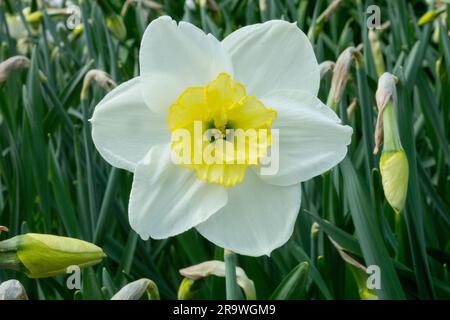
x: 43, y: 255
x: 340, y: 77
x: 393, y: 163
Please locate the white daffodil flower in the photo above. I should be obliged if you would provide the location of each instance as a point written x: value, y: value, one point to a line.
x: 261, y: 77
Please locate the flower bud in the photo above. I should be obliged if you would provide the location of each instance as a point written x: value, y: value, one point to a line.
x: 16, y: 27
x: 431, y: 15
x: 315, y: 228
x: 326, y: 66
x: 394, y: 173
x: 12, y: 290
x: 393, y: 163
x: 340, y: 77
x: 100, y: 77
x: 135, y: 290
x: 184, y: 291
x: 12, y: 64
x: 116, y: 26
x: 43, y: 255
x: 217, y: 268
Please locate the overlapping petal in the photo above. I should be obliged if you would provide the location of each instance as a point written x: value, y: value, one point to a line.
x: 257, y: 219
x: 167, y: 199
x: 124, y: 128
x: 271, y: 56
x: 174, y: 57
x: 312, y: 139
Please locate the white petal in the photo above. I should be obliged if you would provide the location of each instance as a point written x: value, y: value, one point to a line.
x: 257, y: 219
x: 174, y: 57
x: 312, y: 139
x: 273, y: 55
x: 124, y: 128
x: 167, y: 199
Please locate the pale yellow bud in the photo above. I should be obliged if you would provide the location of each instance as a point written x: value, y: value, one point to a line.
x: 136, y: 289
x: 431, y: 15
x: 394, y: 175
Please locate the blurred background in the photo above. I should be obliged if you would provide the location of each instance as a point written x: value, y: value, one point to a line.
x: 52, y: 180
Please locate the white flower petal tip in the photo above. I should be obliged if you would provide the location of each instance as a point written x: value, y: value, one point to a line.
x: 257, y: 219
x: 174, y: 57
x: 167, y: 199
x: 271, y: 56
x: 312, y: 139
x: 124, y: 129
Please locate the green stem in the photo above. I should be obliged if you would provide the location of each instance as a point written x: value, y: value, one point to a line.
x: 88, y: 158
x: 230, y: 275
x: 390, y: 128
x: 105, y: 208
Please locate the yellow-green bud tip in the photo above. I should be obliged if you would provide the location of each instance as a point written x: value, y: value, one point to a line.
x: 394, y: 175
x: 43, y: 255
x: 117, y: 27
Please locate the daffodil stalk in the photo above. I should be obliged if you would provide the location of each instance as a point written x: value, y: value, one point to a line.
x: 230, y: 275
x: 393, y: 163
x: 317, y: 27
x: 104, y: 80
x: 44, y: 255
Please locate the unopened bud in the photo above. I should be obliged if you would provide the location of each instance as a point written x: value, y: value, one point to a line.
x: 431, y: 15
x: 184, y: 291
x: 326, y: 66
x: 12, y: 64
x: 100, y: 77
x: 12, y: 290
x: 43, y: 255
x: 135, y: 290
x: 393, y: 163
x: 394, y: 173
x: 315, y: 228
x: 76, y: 32
x: 340, y: 77
x: 116, y: 26
x: 217, y: 268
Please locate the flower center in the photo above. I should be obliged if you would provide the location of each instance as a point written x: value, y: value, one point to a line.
x: 219, y: 131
